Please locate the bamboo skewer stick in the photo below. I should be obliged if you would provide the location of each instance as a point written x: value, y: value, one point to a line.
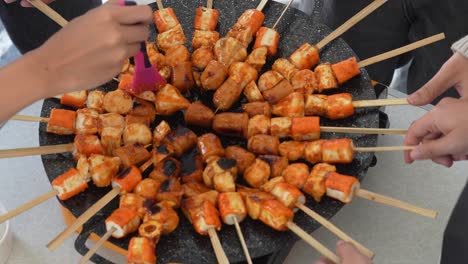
x: 218, y: 249
x: 46, y: 10
x: 401, y: 50
x: 44, y: 150
x: 209, y: 4
x: 56, y: 242
x: 25, y: 207
x: 335, y: 230
x: 98, y: 245
x: 380, y: 102
x: 369, y: 131
x: 30, y: 118
x: 262, y: 5
x: 351, y: 22
x: 160, y: 4
x: 351, y: 130
x: 282, y: 14
x: 313, y: 242
x: 242, y: 240
x: 395, y: 203
x: 383, y: 149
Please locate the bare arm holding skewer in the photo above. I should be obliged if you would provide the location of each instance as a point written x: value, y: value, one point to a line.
x: 49, y: 73
x: 443, y: 139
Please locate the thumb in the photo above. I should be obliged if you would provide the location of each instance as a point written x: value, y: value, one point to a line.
x: 345, y: 249
x: 441, y: 82
x: 445, y: 146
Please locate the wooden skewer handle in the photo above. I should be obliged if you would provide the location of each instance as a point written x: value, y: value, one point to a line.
x: 25, y: 207
x: 313, y: 242
x: 44, y: 150
x: 160, y: 4
x: 383, y: 149
x: 334, y: 229
x: 30, y: 118
x: 56, y: 242
x: 370, y: 131
x: 395, y: 203
x: 380, y: 102
x: 209, y: 4
x: 41, y: 6
x: 98, y: 245
x: 242, y: 240
x: 282, y: 14
x: 351, y: 22
x: 218, y: 249
x: 399, y: 51
x: 262, y: 5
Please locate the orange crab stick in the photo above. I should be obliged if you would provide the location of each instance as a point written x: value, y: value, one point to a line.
x: 288, y: 194
x: 338, y: 151
x: 69, y: 184
x: 305, y: 57
x: 339, y: 106
x: 87, y: 145
x: 231, y: 206
x: 124, y: 220
x: 141, y: 250
x: 276, y: 215
x: 165, y: 19
x: 206, y: 19
x: 305, y: 128
x: 341, y: 187
x: 247, y: 26
x: 61, y: 122
x: 128, y: 179
x: 75, y: 99
x: 346, y: 70
x: 269, y: 38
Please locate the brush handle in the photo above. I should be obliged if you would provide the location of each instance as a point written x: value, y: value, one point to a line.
x: 145, y: 55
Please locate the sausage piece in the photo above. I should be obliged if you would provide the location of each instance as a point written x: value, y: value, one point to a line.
x: 199, y: 115
x: 231, y: 124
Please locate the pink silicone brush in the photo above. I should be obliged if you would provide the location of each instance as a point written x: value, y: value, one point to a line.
x: 146, y: 77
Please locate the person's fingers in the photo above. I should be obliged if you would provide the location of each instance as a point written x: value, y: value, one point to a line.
x: 134, y: 34
x: 442, y: 81
x: 447, y: 145
x: 344, y: 249
x: 446, y: 161
x: 9, y: 1
x: 421, y: 128
x: 25, y: 3
x: 323, y: 261
x: 132, y: 50
x: 424, y: 127
x: 130, y: 15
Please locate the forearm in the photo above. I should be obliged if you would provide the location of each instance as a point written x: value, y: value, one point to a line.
x: 22, y: 82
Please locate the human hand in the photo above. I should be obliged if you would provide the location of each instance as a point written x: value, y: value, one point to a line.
x: 25, y: 3
x: 348, y: 254
x: 92, y: 48
x: 441, y: 135
x: 452, y: 74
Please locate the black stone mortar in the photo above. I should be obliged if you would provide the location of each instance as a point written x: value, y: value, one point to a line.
x: 185, y: 245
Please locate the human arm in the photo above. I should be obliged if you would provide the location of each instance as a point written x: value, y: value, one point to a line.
x: 89, y: 51
x: 348, y: 254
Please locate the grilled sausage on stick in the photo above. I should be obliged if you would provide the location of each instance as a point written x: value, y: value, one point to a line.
x: 120, y: 223
x: 344, y: 188
x: 279, y: 217
x: 204, y: 216
x: 233, y: 211
x: 232, y: 48
x: 293, y: 198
